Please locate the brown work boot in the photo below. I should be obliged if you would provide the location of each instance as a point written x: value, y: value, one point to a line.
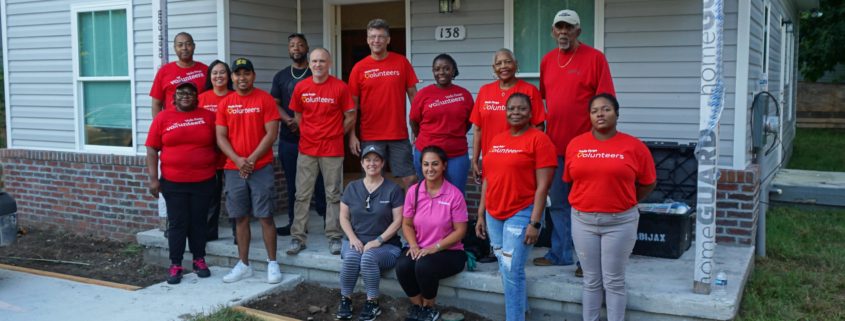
x: 542, y: 261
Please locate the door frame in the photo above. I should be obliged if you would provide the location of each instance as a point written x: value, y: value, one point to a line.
x: 332, y: 33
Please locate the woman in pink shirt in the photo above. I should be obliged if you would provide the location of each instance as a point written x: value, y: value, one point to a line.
x: 434, y: 222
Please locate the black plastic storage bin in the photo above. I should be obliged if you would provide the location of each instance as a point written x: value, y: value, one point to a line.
x: 669, y: 235
x: 8, y: 219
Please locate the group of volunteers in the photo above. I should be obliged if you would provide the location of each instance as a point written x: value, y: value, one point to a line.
x: 213, y: 132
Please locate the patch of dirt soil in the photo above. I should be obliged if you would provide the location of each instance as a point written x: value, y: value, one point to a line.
x: 306, y: 297
x: 84, y: 256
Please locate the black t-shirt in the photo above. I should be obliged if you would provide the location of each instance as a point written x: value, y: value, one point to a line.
x: 282, y: 89
x: 369, y: 223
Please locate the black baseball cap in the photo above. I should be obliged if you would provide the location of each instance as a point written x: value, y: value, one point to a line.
x: 242, y: 63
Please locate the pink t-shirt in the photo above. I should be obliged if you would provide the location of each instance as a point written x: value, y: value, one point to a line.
x: 433, y: 216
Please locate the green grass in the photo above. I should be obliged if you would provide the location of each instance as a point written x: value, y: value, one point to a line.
x: 224, y: 314
x: 818, y: 149
x: 132, y: 249
x: 803, y: 275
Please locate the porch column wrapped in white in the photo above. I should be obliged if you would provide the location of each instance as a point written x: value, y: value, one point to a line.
x: 707, y: 151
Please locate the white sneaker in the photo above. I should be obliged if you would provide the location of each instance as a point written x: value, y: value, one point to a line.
x: 274, y: 275
x: 239, y: 272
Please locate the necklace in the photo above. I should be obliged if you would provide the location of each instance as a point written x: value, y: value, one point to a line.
x: 570, y: 58
x: 300, y: 76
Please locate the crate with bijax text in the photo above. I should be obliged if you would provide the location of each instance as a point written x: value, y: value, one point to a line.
x: 668, y: 213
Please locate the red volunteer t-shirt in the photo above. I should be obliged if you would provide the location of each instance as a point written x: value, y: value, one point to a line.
x: 381, y: 87
x: 322, y: 107
x: 489, y: 110
x: 171, y: 75
x: 510, y: 170
x: 568, y: 90
x: 443, y: 116
x: 603, y: 173
x: 187, y: 144
x: 209, y: 101
x: 245, y: 117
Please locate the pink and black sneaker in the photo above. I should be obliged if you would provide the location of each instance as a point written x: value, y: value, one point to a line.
x: 175, y: 274
x: 201, y: 268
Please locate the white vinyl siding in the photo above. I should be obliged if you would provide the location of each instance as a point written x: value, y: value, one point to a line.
x: 39, y: 57
x: 654, y: 52
x: 258, y: 31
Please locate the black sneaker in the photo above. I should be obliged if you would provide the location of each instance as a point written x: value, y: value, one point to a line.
x: 201, y: 268
x: 429, y: 314
x: 175, y: 274
x: 370, y: 312
x: 413, y: 313
x: 344, y: 309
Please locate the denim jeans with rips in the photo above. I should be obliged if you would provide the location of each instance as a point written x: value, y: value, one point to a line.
x: 508, y: 240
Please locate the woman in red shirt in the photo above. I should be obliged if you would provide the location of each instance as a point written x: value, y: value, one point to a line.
x: 488, y: 114
x: 518, y: 169
x: 184, y: 139
x: 218, y: 84
x: 440, y: 117
x: 610, y: 172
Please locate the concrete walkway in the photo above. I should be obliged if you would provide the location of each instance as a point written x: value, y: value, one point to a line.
x: 29, y: 297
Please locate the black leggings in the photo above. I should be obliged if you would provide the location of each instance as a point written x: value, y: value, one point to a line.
x: 187, y: 214
x: 423, y: 275
x: 214, y: 207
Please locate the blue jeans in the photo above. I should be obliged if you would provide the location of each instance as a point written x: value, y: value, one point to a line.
x: 288, y: 153
x: 457, y: 169
x: 508, y: 240
x: 561, y: 251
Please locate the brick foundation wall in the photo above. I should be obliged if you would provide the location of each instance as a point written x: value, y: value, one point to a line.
x: 101, y: 195
x: 738, y: 206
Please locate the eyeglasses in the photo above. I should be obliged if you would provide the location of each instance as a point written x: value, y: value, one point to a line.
x: 185, y: 94
x: 377, y: 37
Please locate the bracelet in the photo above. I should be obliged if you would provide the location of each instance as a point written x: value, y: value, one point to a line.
x: 437, y: 246
x: 380, y: 240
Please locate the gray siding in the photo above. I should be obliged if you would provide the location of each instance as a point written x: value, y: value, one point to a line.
x: 197, y: 17
x: 312, y: 22
x: 484, y: 21
x: 654, y: 52
x: 778, y: 9
x: 40, y: 75
x: 258, y: 31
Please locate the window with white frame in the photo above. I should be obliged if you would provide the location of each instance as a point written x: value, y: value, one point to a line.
x: 532, y: 27
x: 102, y: 70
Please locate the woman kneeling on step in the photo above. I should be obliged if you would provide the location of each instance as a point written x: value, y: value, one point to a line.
x: 435, y: 221
x: 370, y: 216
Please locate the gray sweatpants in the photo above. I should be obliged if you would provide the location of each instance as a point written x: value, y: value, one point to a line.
x: 604, y: 242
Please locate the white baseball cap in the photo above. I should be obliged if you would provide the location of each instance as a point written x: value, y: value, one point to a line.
x: 568, y: 16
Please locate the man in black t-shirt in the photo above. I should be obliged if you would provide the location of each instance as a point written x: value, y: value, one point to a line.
x: 283, y: 85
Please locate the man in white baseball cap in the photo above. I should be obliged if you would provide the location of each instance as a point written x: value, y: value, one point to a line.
x: 570, y: 75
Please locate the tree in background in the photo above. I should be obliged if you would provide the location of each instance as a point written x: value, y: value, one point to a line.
x: 822, y: 41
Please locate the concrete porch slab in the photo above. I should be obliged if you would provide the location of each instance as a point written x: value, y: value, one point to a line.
x: 809, y: 187
x: 26, y: 297
x: 658, y: 289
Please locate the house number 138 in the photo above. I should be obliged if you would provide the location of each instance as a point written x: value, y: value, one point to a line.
x: 442, y: 33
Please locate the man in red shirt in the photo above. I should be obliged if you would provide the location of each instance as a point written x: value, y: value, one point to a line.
x: 172, y: 74
x: 247, y: 126
x: 569, y: 76
x: 379, y: 84
x: 324, y: 112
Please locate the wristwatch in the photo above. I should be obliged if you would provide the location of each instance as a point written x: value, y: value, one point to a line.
x: 536, y: 224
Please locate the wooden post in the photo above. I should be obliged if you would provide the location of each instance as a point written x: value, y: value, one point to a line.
x: 707, y: 151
